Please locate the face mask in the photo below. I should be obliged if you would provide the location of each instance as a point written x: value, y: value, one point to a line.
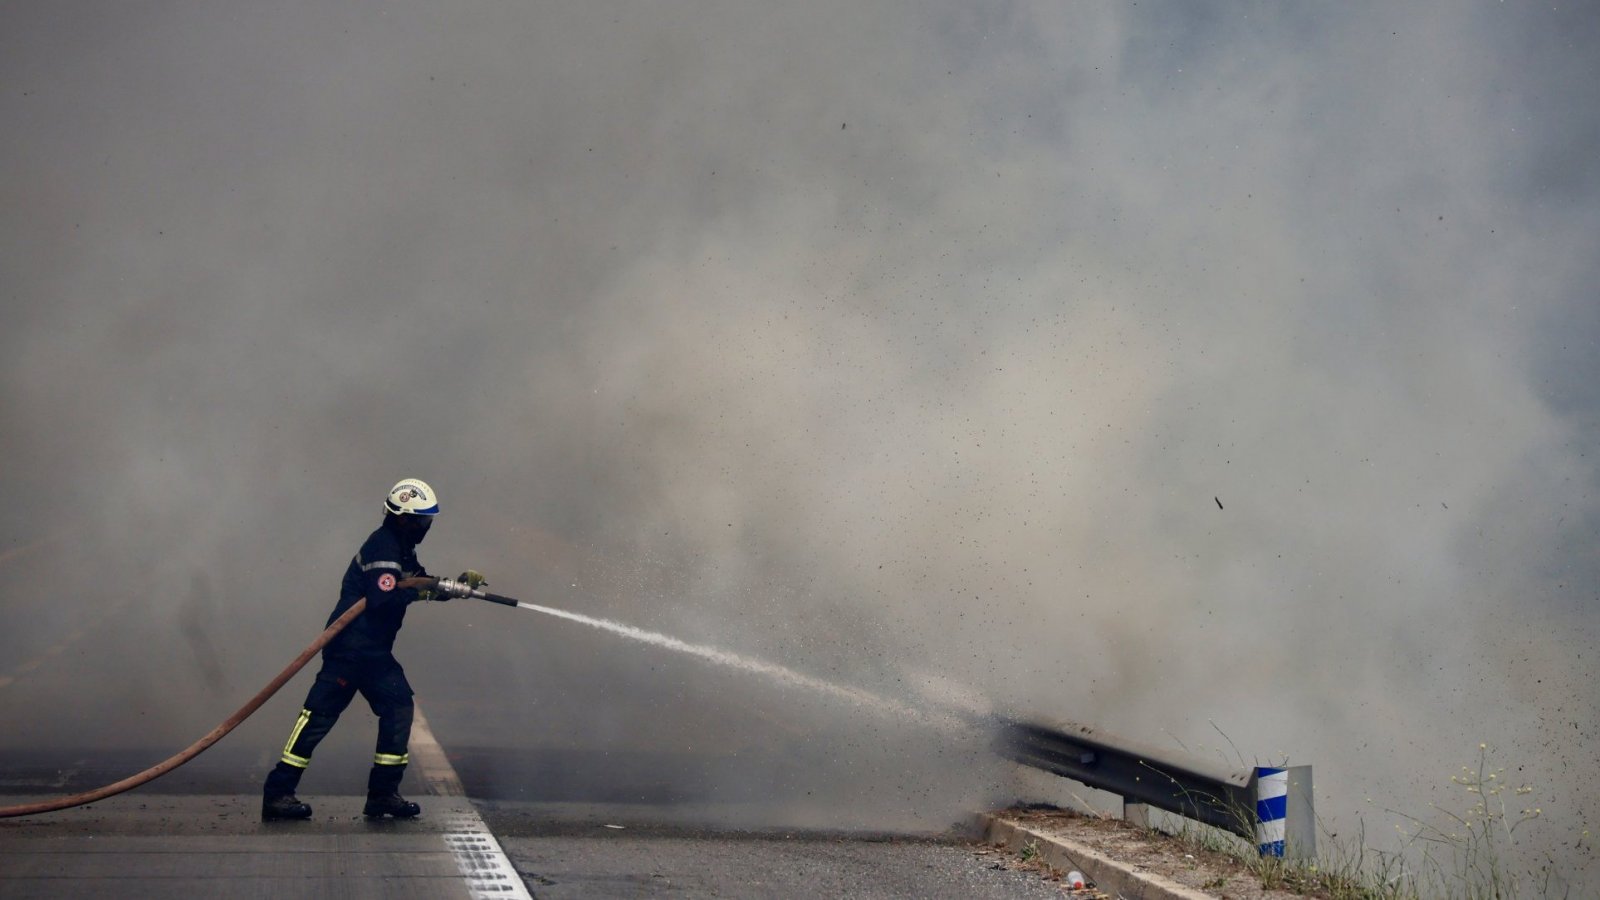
x: 416, y: 527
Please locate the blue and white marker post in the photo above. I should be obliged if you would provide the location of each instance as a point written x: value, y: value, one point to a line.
x: 1286, y: 824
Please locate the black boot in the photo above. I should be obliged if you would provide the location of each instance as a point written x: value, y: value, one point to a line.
x: 284, y: 807
x: 390, y: 804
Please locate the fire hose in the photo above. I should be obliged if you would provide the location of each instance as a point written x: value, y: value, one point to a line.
x: 447, y: 586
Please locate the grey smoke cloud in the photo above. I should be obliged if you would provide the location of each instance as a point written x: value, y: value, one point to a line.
x: 904, y: 341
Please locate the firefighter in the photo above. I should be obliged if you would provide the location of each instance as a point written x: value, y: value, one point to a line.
x: 361, y: 659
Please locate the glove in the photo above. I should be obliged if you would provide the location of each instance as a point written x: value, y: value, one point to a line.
x: 473, y: 579
x: 428, y: 593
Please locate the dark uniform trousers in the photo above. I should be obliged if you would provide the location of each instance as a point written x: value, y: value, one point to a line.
x: 383, y: 683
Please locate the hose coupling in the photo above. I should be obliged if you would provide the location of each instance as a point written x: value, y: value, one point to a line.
x: 457, y: 589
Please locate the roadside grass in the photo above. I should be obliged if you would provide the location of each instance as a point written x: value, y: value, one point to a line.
x: 1030, y: 851
x: 1470, y: 853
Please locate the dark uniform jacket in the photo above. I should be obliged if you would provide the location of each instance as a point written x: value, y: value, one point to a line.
x: 375, y: 573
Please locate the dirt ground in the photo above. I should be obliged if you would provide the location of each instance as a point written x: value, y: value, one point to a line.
x: 1215, y: 873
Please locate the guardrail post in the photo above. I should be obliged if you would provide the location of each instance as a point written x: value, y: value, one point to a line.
x: 1300, y: 830
x: 1135, y: 814
x: 1286, y: 823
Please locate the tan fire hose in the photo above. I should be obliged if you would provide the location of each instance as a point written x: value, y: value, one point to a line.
x: 198, y: 747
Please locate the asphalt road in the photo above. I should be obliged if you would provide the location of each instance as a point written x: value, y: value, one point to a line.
x: 148, y: 844
x: 791, y: 866
x: 604, y: 771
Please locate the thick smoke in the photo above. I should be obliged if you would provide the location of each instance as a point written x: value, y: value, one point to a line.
x: 1148, y: 366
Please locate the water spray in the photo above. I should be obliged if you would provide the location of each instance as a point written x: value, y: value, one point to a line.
x: 780, y: 674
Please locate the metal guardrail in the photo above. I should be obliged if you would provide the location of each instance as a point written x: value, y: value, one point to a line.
x: 1271, y: 806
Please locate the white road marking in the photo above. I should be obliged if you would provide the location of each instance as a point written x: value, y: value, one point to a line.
x: 478, y: 855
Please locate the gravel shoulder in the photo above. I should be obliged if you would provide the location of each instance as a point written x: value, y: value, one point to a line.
x: 1210, y: 873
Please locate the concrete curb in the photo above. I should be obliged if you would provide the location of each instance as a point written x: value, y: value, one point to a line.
x: 1118, y: 879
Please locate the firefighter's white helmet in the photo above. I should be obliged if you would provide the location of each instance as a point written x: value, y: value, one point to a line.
x: 412, y: 497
